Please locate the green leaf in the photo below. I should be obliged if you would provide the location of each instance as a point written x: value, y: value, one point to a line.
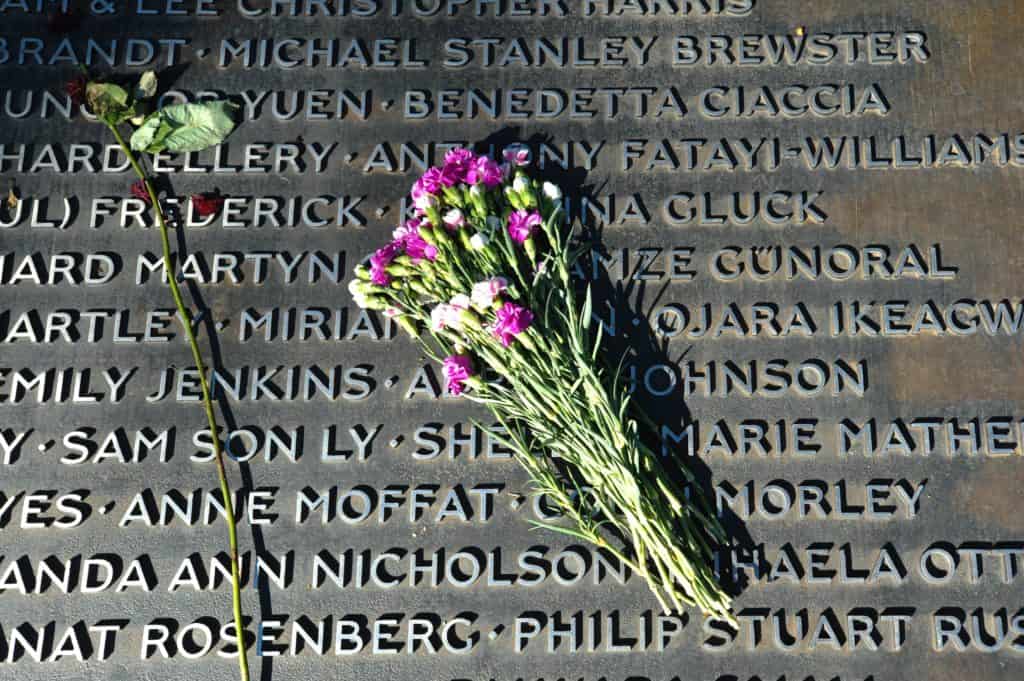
x: 146, y: 86
x: 185, y: 127
x: 588, y: 306
x: 108, y: 101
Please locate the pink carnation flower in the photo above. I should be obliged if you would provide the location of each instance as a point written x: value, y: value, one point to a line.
x: 422, y: 202
x: 415, y: 246
x: 517, y: 154
x: 449, y: 314
x: 522, y: 224
x: 510, y: 321
x: 457, y: 163
x: 454, y: 219
x: 484, y: 292
x: 457, y: 369
x: 434, y: 180
x: 484, y: 171
x: 425, y: 190
x: 380, y: 259
x: 458, y: 156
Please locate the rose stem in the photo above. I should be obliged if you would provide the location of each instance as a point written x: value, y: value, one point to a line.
x: 211, y: 417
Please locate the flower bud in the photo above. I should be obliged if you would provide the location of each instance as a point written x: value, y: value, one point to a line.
x: 514, y: 199
x: 552, y: 191
x: 454, y: 219
x: 434, y: 215
x: 398, y: 270
x: 526, y: 340
x: 441, y: 237
x: 409, y: 325
x: 358, y: 287
x: 427, y: 233
x: 453, y: 196
x: 479, y: 241
x: 470, y: 318
x: 372, y: 302
x: 362, y: 272
x: 531, y: 249
x: 517, y: 154
x: 478, y: 199
x: 521, y: 186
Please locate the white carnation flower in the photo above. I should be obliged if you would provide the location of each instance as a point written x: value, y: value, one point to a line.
x: 479, y: 241
x: 454, y: 218
x: 552, y: 191
x: 484, y: 292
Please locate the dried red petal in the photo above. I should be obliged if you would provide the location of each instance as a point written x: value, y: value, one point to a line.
x: 139, y: 191
x: 206, y: 205
x: 75, y: 89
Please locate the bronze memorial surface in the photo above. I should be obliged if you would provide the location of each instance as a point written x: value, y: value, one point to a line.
x: 804, y: 234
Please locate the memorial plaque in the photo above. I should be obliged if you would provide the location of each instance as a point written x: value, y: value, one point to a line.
x: 808, y: 213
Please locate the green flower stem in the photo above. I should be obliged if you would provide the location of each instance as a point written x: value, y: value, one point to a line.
x: 185, y: 316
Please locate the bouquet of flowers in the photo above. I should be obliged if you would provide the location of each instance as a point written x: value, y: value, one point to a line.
x: 482, y: 277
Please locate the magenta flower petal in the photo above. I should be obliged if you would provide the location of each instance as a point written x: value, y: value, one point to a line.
x: 457, y: 369
x: 522, y: 224
x: 410, y: 240
x: 510, y: 321
x: 517, y: 154
x: 484, y: 171
x: 379, y: 261
x: 457, y: 164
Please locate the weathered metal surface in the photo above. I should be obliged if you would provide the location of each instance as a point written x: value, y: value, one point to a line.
x: 924, y: 198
